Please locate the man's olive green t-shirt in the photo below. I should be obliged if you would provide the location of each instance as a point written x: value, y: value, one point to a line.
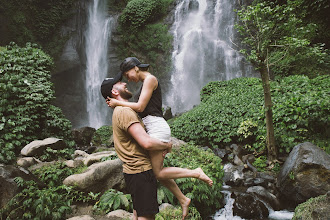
x: 135, y: 158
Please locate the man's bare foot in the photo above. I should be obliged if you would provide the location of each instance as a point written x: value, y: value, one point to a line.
x: 185, y: 208
x: 202, y: 176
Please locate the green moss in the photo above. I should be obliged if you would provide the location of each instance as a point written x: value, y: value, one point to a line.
x: 304, y: 210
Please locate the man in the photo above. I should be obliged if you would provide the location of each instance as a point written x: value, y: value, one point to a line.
x: 131, y: 144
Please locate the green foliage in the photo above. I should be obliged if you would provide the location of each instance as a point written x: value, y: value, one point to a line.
x: 164, y: 195
x: 300, y: 113
x: 205, y: 198
x: 51, y: 154
x: 38, y: 21
x: 281, y: 36
x: 111, y: 157
x: 260, y: 163
x: 33, y: 202
x: 140, y: 12
x: 176, y: 214
x: 26, y: 92
x: 305, y: 210
x: 225, y: 105
x: 53, y: 174
x: 112, y: 200
x: 102, y: 136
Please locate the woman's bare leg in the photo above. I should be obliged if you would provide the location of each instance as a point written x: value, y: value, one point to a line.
x: 175, y: 172
x: 184, y: 201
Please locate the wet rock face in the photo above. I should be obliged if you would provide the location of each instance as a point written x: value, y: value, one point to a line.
x: 83, y: 136
x: 305, y: 174
x: 248, y: 207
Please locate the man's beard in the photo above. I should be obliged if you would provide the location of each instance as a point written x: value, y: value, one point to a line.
x: 125, y: 94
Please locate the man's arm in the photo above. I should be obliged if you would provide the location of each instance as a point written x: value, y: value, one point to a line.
x: 144, y: 140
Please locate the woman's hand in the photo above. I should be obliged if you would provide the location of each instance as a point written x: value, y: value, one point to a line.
x: 112, y: 102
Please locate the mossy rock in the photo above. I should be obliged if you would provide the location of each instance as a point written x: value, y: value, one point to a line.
x: 313, y: 209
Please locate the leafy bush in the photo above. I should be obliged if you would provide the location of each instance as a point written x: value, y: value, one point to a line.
x: 260, y: 163
x: 38, y: 22
x: 176, y: 214
x: 54, y: 174
x: 51, y: 154
x: 32, y: 202
x: 225, y: 105
x: 26, y: 92
x: 140, y: 12
x: 112, y: 200
x: 206, y: 199
x: 300, y: 113
x: 102, y: 136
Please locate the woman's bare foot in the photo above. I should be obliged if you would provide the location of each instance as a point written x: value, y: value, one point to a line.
x: 185, y: 208
x: 202, y: 176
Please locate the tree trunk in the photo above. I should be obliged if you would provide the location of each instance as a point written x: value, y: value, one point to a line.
x: 271, y: 147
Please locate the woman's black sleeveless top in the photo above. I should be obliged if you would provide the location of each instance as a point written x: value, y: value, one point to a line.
x: 154, y: 106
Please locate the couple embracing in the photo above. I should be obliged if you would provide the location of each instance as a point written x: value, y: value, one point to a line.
x: 142, y: 139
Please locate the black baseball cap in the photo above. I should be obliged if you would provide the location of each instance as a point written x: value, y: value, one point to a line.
x: 131, y: 62
x: 108, y: 83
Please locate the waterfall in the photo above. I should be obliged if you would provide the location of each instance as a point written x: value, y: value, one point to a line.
x: 96, y: 48
x: 203, y: 50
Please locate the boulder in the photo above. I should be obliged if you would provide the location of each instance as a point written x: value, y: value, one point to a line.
x: 82, y: 217
x: 314, y: 208
x: 248, y: 206
x: 305, y: 174
x: 37, y: 147
x: 264, y: 195
x: 177, y: 143
x: 83, y: 136
x: 233, y: 175
x: 26, y: 162
x: 8, y: 186
x: 99, y: 177
x: 96, y: 157
x: 120, y: 214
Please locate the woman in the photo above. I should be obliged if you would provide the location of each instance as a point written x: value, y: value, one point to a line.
x: 149, y: 108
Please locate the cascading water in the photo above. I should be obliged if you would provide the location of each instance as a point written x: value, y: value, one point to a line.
x: 96, y: 36
x: 203, y: 32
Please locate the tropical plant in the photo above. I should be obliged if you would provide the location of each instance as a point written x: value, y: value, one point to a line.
x: 176, y: 214
x: 102, y: 136
x: 113, y: 200
x: 301, y: 112
x: 26, y: 92
x: 33, y: 202
x: 269, y: 29
x: 204, y: 198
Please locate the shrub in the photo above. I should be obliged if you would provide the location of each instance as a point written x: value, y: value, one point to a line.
x: 26, y: 92
x: 102, y: 136
x: 206, y: 199
x: 112, y: 200
x: 33, y: 202
x: 301, y: 111
x: 54, y: 174
x: 229, y: 111
x: 224, y: 106
x: 176, y: 214
x: 140, y: 12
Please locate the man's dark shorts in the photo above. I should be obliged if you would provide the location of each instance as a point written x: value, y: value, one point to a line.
x: 143, y: 188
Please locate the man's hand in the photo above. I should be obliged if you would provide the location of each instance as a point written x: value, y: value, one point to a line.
x: 111, y: 102
x: 168, y: 150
